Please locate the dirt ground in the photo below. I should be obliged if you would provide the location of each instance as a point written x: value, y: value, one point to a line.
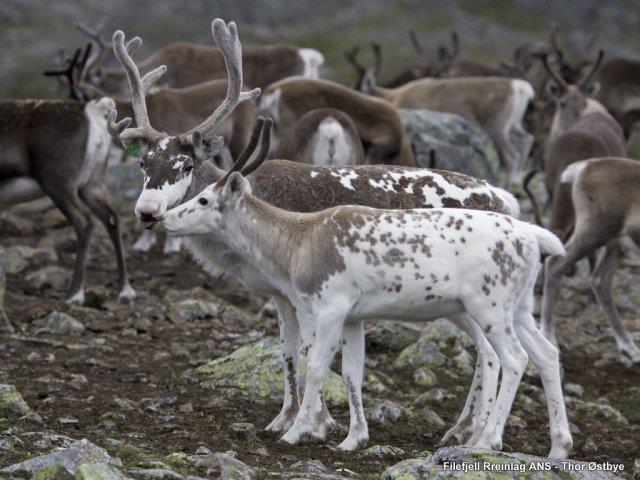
x: 148, y: 362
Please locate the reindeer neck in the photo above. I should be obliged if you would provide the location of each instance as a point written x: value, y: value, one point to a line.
x: 204, y: 175
x: 268, y: 237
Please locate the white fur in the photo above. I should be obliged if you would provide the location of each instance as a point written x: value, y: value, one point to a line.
x: 145, y: 241
x: 345, y: 175
x: 99, y: 140
x: 468, y: 251
x: 156, y: 201
x: 570, y: 173
x: 331, y: 144
x: 312, y: 60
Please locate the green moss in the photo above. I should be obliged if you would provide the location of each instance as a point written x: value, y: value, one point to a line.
x: 12, y: 405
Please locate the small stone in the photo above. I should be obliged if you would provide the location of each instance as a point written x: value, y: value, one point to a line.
x: 432, y: 397
x: 382, y: 451
x: 603, y: 412
x: 388, y: 412
x: 124, y: 403
x: 186, y: 407
x: 574, y: 390
x: 589, y: 446
x: 226, y: 467
x: 192, y: 309
x: 68, y: 421
x: 59, y: 323
x: 244, y: 431
x: 515, y: 421
x: 48, y: 277
x: 425, y: 377
x: 142, y: 324
x: 156, y: 474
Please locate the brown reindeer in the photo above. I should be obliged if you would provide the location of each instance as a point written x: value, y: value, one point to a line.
x: 619, y: 92
x: 190, y: 63
x: 377, y: 121
x: 496, y: 104
x: 59, y: 148
x: 606, y: 199
x: 582, y: 128
x: 325, y: 136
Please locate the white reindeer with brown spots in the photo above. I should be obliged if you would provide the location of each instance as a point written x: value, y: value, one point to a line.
x: 347, y: 264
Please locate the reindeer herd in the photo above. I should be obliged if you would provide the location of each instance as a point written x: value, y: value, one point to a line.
x: 342, y: 225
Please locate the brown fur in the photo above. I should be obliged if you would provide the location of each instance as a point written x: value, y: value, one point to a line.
x: 377, y: 122
x: 297, y: 143
x: 190, y: 63
x: 620, y: 89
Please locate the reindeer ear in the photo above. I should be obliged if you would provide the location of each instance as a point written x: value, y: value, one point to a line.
x: 205, y: 148
x: 592, y: 89
x: 235, y: 187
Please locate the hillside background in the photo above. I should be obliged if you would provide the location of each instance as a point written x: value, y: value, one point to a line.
x: 33, y: 31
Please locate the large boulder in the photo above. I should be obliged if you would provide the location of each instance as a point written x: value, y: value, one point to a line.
x: 464, y: 463
x: 452, y: 143
x: 5, y: 324
x: 256, y: 370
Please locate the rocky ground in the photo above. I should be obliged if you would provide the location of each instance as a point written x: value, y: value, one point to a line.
x: 183, y: 381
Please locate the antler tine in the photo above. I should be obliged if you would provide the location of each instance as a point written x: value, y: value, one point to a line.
x: 101, y: 47
x: 68, y: 73
x: 553, y: 40
x: 455, y: 45
x: 226, y: 37
x: 139, y: 86
x: 377, y: 58
x: 590, y: 44
x: 594, y: 70
x: 352, y: 57
x: 420, y: 50
x: 552, y: 73
x: 246, y: 153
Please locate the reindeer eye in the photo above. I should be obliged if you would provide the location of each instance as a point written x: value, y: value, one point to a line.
x: 188, y: 168
x: 141, y: 163
x: 203, y: 201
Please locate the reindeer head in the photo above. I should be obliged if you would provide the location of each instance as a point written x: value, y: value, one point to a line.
x: 367, y: 76
x: 208, y: 212
x: 169, y: 163
x: 572, y: 100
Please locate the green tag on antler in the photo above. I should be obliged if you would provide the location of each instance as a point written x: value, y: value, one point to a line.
x: 133, y: 148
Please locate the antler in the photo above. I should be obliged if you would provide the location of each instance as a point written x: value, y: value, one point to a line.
x: 416, y: 44
x: 594, y: 70
x: 251, y: 158
x: 455, y: 45
x: 100, y: 46
x: 226, y: 37
x: 352, y: 58
x: 68, y: 72
x: 139, y: 87
x: 553, y: 40
x: 377, y: 59
x: 552, y: 73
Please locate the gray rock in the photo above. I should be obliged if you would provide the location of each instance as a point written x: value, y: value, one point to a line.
x: 524, y: 466
x: 12, y: 405
x: 308, y: 469
x: 59, y: 323
x: 5, y: 324
x: 155, y: 474
x: 244, y: 431
x: 391, y: 336
x: 425, y: 377
x: 191, y: 309
x: 602, y: 412
x: 71, y: 457
x: 12, y: 260
x: 17, y: 258
x: 97, y: 471
x: 14, y: 225
x: 48, y: 277
x: 382, y: 451
x: 388, y: 412
x: 226, y: 467
x: 457, y: 144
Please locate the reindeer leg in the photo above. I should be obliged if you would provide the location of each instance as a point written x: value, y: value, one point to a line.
x: 352, y: 371
x: 95, y: 197
x: 289, y: 339
x: 80, y: 219
x: 601, y: 286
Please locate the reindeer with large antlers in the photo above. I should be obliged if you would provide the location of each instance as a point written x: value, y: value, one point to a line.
x: 175, y: 171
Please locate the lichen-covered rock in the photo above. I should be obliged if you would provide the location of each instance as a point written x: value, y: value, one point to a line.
x: 256, y: 370
x: 71, y: 457
x: 98, y: 471
x: 311, y: 469
x: 486, y: 464
x: 602, y: 412
x: 192, y: 309
x: 627, y: 401
x: 12, y: 260
x: 5, y: 324
x: 382, y: 451
x: 425, y: 377
x: 155, y: 474
x: 442, y: 344
x: 388, y: 412
x: 59, y: 323
x: 457, y: 144
x: 225, y: 467
x: 391, y: 336
x: 12, y: 405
